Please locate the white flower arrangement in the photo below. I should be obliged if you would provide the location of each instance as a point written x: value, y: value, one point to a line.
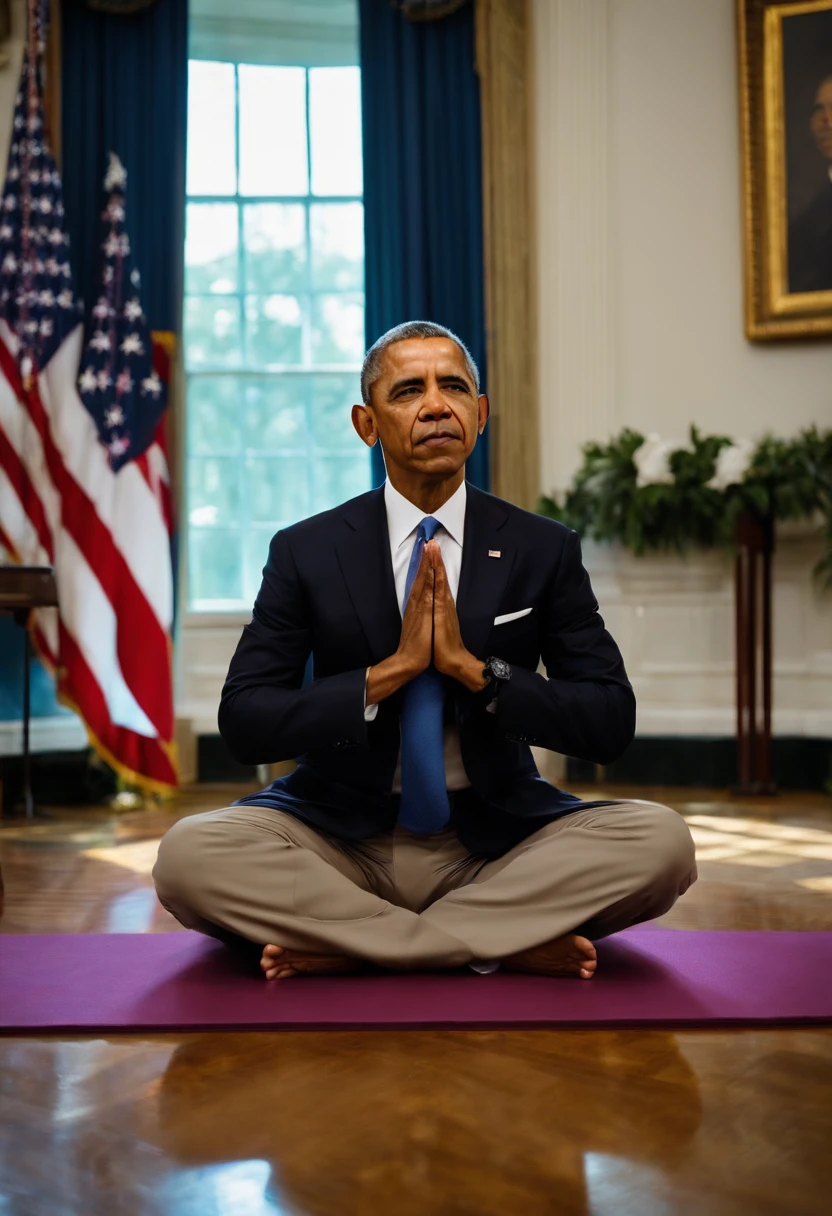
x: 652, y: 460
x: 732, y: 464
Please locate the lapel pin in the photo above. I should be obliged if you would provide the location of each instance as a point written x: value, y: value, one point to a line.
x: 494, y: 552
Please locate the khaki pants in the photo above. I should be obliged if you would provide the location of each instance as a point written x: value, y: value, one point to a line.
x: 404, y: 901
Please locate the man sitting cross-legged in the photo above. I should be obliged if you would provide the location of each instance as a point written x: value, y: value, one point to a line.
x: 415, y: 831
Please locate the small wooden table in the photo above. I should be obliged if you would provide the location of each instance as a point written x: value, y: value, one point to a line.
x: 23, y: 588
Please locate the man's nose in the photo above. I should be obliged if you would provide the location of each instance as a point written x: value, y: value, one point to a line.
x: 434, y: 405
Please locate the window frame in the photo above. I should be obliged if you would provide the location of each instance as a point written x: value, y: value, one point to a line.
x: 215, y: 613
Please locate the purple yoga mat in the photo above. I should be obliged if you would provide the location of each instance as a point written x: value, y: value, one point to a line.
x: 167, y: 981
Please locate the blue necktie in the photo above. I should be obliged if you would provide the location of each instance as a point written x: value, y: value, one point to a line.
x: 424, y: 803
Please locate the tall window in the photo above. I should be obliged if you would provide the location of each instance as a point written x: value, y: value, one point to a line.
x: 274, y: 312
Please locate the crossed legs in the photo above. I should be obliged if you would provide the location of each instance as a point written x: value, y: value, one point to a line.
x: 404, y: 902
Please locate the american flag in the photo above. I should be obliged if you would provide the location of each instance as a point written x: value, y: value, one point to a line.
x: 84, y: 483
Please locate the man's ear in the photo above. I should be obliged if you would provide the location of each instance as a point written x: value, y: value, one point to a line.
x: 483, y: 411
x: 365, y: 424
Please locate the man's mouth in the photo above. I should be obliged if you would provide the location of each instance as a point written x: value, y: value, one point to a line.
x: 438, y: 439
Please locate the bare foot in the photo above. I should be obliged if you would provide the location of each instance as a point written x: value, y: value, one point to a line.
x: 280, y: 963
x: 567, y: 955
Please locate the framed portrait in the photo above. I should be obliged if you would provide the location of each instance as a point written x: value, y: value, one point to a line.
x: 785, y: 64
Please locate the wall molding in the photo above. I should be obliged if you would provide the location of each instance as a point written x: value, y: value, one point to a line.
x: 60, y: 733
x: 673, y: 618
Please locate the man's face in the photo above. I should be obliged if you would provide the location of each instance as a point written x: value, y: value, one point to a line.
x: 424, y: 408
x: 821, y: 120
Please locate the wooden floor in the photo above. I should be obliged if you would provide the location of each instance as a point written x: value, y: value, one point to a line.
x: 434, y: 1123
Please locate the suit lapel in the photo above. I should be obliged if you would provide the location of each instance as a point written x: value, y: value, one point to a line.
x: 483, y: 578
x: 362, y: 547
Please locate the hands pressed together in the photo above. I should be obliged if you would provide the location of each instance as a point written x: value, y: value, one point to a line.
x: 430, y: 632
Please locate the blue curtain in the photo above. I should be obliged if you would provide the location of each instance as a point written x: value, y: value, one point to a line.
x: 124, y: 87
x: 423, y: 182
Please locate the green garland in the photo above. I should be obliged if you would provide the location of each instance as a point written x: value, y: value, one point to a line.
x: 784, y: 479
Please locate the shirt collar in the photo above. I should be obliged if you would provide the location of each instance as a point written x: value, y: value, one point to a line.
x: 403, y: 517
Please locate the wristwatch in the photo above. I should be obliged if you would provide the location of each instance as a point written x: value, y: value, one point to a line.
x: 497, y: 672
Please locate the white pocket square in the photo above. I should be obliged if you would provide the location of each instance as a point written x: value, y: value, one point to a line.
x: 511, y: 616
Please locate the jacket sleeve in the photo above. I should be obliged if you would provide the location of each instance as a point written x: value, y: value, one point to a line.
x: 265, y: 715
x: 586, y: 707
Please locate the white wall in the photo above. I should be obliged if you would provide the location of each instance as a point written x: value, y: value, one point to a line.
x: 637, y: 165
x: 640, y: 240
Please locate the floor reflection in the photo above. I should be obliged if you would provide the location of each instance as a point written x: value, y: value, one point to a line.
x: 430, y: 1121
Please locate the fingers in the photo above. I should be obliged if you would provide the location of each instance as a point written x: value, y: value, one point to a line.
x: 423, y: 579
x: 432, y: 548
x: 440, y: 574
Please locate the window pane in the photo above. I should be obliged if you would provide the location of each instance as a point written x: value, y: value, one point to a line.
x: 278, y: 488
x: 212, y: 331
x: 339, y: 478
x: 211, y: 140
x: 273, y: 328
x: 214, y: 567
x: 213, y: 491
x: 213, y: 415
x: 275, y: 414
x: 273, y: 130
x: 337, y: 237
x: 332, y: 399
x: 338, y: 328
x: 275, y: 246
x: 211, y: 247
x: 335, y: 127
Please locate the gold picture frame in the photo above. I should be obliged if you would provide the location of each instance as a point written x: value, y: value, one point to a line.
x: 785, y: 68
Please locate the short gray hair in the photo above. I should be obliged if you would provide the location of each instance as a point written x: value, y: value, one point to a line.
x: 371, y: 369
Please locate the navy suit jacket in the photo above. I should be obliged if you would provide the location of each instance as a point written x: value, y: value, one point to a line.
x: 328, y: 591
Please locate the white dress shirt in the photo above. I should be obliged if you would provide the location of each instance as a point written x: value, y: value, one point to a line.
x: 403, y: 518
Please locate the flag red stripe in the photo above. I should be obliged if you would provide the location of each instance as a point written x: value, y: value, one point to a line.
x: 158, y: 485
x: 142, y: 644
x: 136, y: 752
x: 44, y: 650
x: 26, y: 492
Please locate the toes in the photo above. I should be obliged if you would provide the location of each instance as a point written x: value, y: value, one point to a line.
x: 272, y: 951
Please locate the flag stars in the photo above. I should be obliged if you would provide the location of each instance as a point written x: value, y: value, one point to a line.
x: 100, y: 340
x: 114, y: 416
x: 103, y: 380
x: 132, y: 310
x: 116, y: 246
x: 124, y: 382
x: 118, y: 446
x: 87, y: 381
x: 132, y: 345
x: 152, y: 385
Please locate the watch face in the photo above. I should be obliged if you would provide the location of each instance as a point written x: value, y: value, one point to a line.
x: 501, y: 669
